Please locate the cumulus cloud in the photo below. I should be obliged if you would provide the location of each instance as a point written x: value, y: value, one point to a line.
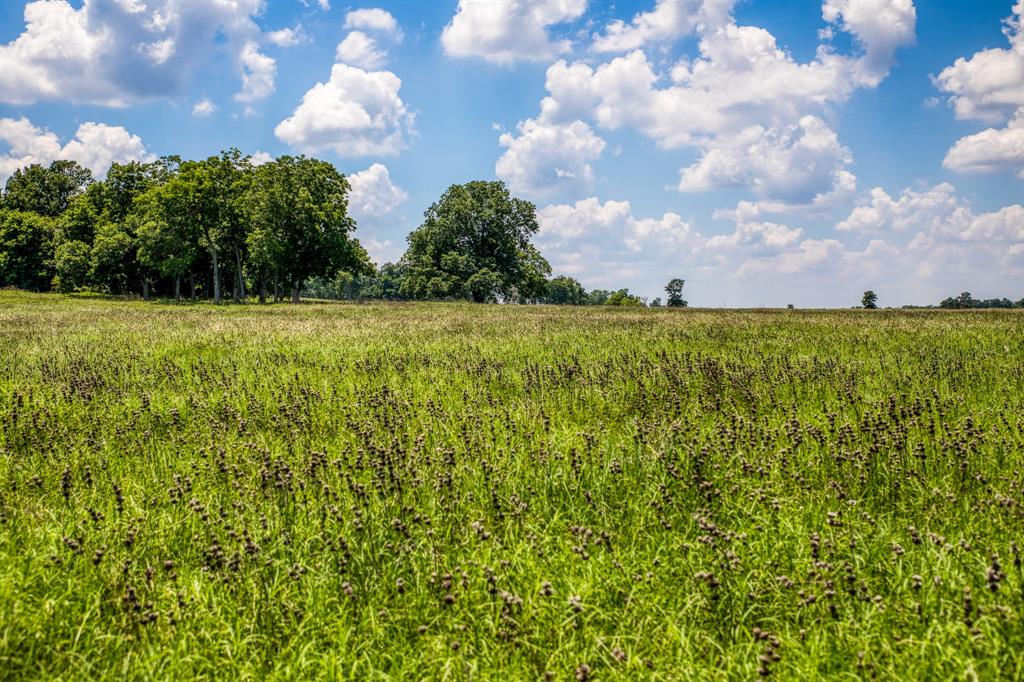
x: 989, y: 87
x: 257, y: 74
x: 880, y: 27
x: 258, y: 158
x: 991, y: 150
x: 506, y: 31
x: 792, y: 163
x: 288, y: 37
x: 355, y: 113
x: 605, y: 245
x: 916, y: 246
x: 755, y: 114
x: 95, y: 146
x: 117, y: 53
x: 373, y: 193
x: 373, y: 19
x: 670, y: 19
x: 547, y: 158
x: 361, y: 50
x: 203, y: 107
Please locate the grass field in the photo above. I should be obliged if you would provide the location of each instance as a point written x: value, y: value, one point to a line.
x: 434, y: 491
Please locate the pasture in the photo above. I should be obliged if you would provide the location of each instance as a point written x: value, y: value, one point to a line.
x: 470, y: 492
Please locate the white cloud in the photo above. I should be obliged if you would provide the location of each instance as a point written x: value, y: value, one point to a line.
x: 880, y: 28
x: 257, y: 75
x: 546, y: 158
x: 361, y: 50
x: 670, y: 19
x: 506, y: 31
x: 258, y: 158
x: 95, y: 146
x: 792, y: 163
x: 374, y: 19
x: 754, y: 112
x: 355, y: 113
x: 373, y: 193
x: 989, y: 86
x: 288, y: 37
x: 931, y: 207
x: 114, y: 54
x: 993, y: 149
x: 203, y: 107
x: 606, y: 246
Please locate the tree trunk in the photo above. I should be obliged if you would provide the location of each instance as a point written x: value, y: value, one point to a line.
x: 145, y: 289
x: 277, y: 287
x: 295, y: 290
x: 263, y: 287
x: 216, y: 276
x: 192, y: 285
x: 241, y: 275
x: 177, y: 288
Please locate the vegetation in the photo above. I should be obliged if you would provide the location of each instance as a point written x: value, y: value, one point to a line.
x: 869, y: 300
x: 447, y: 491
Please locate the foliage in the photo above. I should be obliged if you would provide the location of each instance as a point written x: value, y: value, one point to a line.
x: 674, y: 291
x: 434, y: 491
x: 563, y: 290
x: 47, y: 191
x: 26, y: 250
x: 965, y: 300
x: 72, y: 261
x: 474, y: 244
x: 622, y: 297
x: 869, y: 300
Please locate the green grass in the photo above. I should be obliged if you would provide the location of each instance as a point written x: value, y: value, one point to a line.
x: 437, y: 491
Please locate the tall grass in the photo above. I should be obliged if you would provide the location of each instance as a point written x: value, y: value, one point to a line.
x: 438, y: 491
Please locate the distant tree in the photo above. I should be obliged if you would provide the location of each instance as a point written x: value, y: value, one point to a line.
x: 869, y: 300
x: 563, y: 290
x: 385, y: 284
x: 26, y: 250
x: 474, y: 243
x: 790, y: 306
x: 622, y: 297
x: 597, y: 297
x: 47, y: 191
x: 656, y: 303
x: 674, y: 291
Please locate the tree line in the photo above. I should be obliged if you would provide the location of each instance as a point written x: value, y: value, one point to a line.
x: 226, y: 228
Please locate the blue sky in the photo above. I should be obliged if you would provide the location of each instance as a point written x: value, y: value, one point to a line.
x: 767, y: 152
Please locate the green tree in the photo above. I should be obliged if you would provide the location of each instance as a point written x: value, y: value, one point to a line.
x: 563, y: 290
x: 167, y: 238
x: 114, y: 263
x: 72, y: 263
x: 47, y: 191
x: 869, y: 300
x: 474, y: 243
x: 622, y: 297
x: 300, y: 223
x: 674, y: 291
x: 26, y: 250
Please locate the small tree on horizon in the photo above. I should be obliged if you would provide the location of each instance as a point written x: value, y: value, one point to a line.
x: 674, y: 289
x: 869, y: 300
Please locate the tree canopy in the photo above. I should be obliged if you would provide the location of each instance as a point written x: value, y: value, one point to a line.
x: 474, y: 243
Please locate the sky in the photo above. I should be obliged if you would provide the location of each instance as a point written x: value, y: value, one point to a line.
x: 769, y: 153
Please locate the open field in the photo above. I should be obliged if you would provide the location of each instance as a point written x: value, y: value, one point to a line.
x: 433, y: 491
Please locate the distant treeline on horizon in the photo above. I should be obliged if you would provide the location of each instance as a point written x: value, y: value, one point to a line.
x: 226, y: 228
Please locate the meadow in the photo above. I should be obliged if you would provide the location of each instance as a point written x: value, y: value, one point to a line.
x: 471, y: 492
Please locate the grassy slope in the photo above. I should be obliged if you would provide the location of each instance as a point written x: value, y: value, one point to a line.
x: 381, y: 491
